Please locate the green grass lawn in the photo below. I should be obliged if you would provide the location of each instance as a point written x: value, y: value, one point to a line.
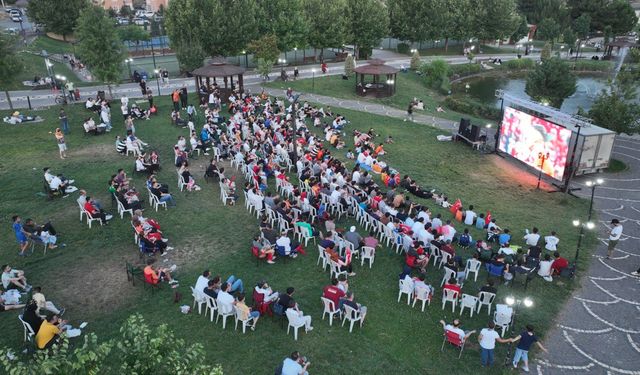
x: 34, y: 65
x: 87, y: 277
x: 408, y: 86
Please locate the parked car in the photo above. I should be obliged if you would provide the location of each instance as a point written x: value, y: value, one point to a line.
x: 11, y: 30
x: 144, y: 14
x: 16, y: 18
x: 140, y: 21
x: 13, y: 10
x: 122, y: 21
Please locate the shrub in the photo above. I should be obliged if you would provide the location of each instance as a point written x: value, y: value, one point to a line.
x: 519, y: 64
x: 472, y: 108
x: 594, y: 65
x: 435, y: 73
x: 463, y: 70
x: 403, y: 48
x: 415, y: 61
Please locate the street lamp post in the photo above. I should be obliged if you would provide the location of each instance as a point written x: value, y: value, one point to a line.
x: 128, y: 62
x: 313, y: 79
x: 593, y: 185
x: 512, y: 301
x: 390, y: 83
x: 589, y: 225
x: 542, y: 157
x: 295, y: 55
x: 157, y: 73
x: 62, y: 79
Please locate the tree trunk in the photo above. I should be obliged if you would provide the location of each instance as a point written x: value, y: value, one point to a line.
x: 6, y: 92
x: 110, y: 93
x: 446, y: 44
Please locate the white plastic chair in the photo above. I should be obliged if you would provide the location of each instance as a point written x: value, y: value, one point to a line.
x: 322, y: 256
x: 295, y: 321
x: 368, y: 253
x: 405, y: 287
x: 502, y: 317
x: 352, y: 315
x: 473, y: 266
x: 28, y: 331
x: 91, y: 219
x: 335, y: 269
x: 198, y: 298
x: 485, y: 298
x: 304, y: 235
x: 212, y: 306
x: 157, y: 203
x: 436, y: 255
x: 445, y: 258
x: 181, y: 182
x: 421, y: 293
x: 245, y: 322
x: 122, y: 210
x: 82, y: 211
x: 448, y: 274
x: 223, y: 195
x: 329, y: 308
x: 449, y: 295
x: 469, y: 301
x: 224, y: 310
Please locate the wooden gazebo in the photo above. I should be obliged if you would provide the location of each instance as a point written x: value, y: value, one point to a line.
x: 382, y: 82
x: 219, y: 69
x: 619, y: 44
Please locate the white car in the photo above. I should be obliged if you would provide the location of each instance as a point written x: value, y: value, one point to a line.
x: 140, y: 21
x: 16, y: 18
x: 122, y: 21
x: 144, y: 14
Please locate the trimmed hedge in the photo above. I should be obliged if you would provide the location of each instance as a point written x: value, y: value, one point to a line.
x: 593, y: 65
x: 472, y: 108
x: 519, y: 64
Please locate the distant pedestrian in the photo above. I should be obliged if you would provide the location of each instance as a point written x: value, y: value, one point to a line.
x: 64, y: 121
x: 487, y: 338
x: 143, y: 86
x: 526, y: 338
x: 165, y: 77
x: 409, y: 112
x: 614, y: 236
x: 150, y: 97
x: 296, y: 73
x: 62, y: 145
x: 184, y: 97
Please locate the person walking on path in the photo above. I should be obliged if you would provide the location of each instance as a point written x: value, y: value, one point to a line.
x: 409, y: 112
x: 64, y: 121
x: 526, y: 338
x: 636, y: 273
x: 62, y: 146
x: 614, y: 236
x: 487, y: 339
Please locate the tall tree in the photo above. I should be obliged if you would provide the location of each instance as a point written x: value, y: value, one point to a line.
x: 99, y: 45
x: 57, y: 16
x: 186, y: 38
x: 621, y: 17
x: 612, y: 111
x: 265, y: 50
x: 549, y: 30
x: 327, y: 22
x: 407, y: 20
x: 456, y: 20
x: 368, y: 24
x: 582, y: 25
x: 240, y: 20
x: 537, y: 10
x: 495, y: 19
x: 551, y: 81
x: 521, y: 31
x: 285, y: 19
x: 10, y: 64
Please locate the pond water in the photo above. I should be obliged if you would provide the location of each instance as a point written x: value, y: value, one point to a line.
x: 483, y: 90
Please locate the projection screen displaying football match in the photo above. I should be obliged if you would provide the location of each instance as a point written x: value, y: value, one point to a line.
x: 534, y: 141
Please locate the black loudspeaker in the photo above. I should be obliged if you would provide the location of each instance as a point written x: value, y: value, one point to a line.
x: 464, y: 125
x: 474, y: 133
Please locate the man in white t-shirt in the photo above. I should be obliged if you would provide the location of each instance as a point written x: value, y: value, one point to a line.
x: 224, y: 297
x: 506, y: 250
x: 551, y: 242
x: 532, y: 238
x: 614, y: 236
x: 456, y: 329
x: 470, y: 216
x: 203, y: 281
x: 487, y: 338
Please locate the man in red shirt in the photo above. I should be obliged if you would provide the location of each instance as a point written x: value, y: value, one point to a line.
x: 90, y: 207
x: 558, y: 264
x: 333, y: 293
x: 452, y: 285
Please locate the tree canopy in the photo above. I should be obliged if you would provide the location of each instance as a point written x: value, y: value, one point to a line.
x: 10, y: 64
x: 186, y: 37
x: 368, y: 23
x: 57, y: 16
x: 99, y: 45
x: 327, y: 22
x: 495, y: 19
x: 284, y: 19
x: 551, y: 81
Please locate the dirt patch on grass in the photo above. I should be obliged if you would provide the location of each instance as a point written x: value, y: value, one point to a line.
x: 97, y: 151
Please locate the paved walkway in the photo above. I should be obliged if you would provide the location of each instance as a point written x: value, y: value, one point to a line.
x: 598, y: 331
x: 45, y: 98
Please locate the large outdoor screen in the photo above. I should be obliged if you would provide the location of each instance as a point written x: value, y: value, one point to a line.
x: 535, y: 141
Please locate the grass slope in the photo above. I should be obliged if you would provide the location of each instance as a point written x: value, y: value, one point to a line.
x: 88, y: 278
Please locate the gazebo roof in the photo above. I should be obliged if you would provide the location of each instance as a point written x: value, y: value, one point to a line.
x: 376, y: 67
x: 218, y: 67
x: 623, y: 42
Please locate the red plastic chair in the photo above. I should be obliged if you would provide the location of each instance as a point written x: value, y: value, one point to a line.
x: 256, y: 253
x: 453, y: 339
x: 260, y: 305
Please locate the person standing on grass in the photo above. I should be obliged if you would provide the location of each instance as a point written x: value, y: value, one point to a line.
x: 526, y: 338
x: 614, y: 236
x: 62, y: 145
x: 64, y: 121
x: 487, y: 338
